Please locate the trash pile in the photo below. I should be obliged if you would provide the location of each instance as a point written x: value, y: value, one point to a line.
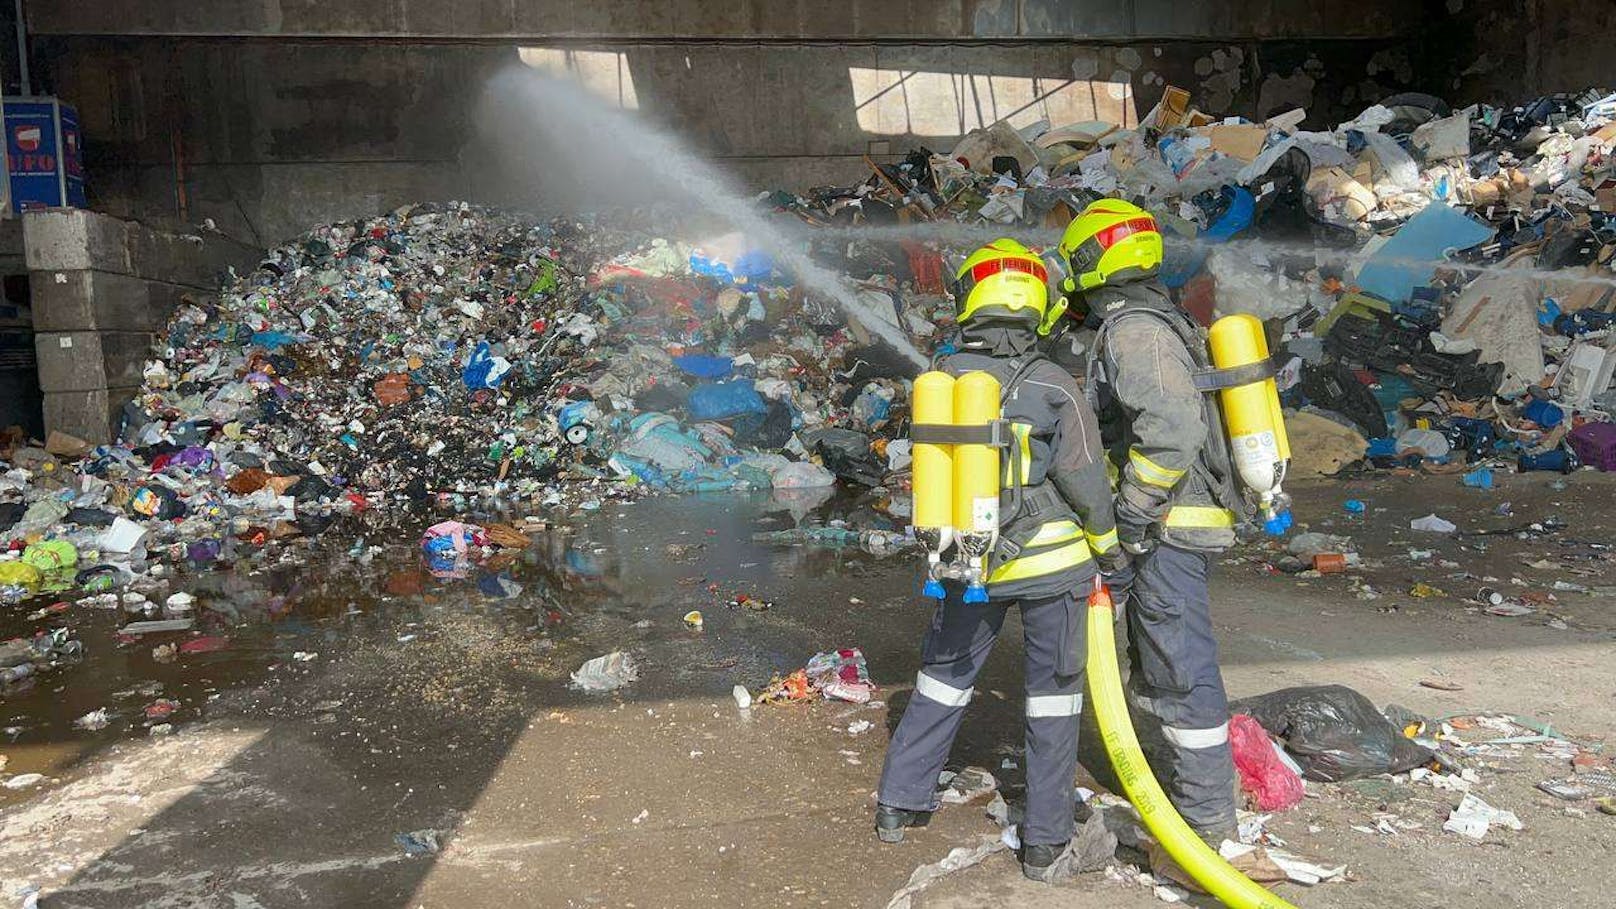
x: 23, y: 658
x: 455, y: 350
x: 443, y: 357
x: 1467, y: 745
x: 1439, y: 281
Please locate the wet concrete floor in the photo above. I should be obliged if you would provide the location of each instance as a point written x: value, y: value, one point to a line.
x: 433, y: 707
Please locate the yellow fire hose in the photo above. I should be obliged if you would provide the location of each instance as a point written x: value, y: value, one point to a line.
x: 1197, y: 859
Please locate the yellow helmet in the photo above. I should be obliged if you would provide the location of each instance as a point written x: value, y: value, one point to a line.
x: 1001, y: 282
x: 1111, y: 241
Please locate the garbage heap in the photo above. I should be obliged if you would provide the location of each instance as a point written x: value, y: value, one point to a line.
x: 447, y: 356
x: 1437, y: 282
x: 459, y: 351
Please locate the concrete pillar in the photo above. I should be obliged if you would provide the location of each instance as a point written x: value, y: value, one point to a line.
x: 103, y: 289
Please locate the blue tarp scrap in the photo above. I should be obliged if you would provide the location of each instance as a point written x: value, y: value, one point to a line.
x: 1409, y: 258
x: 704, y: 366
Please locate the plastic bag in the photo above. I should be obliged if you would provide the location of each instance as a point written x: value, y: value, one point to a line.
x: 724, y: 399
x: 1335, y: 733
x: 483, y: 369
x: 658, y: 439
x: 447, y: 545
x: 1432, y: 524
x: 21, y: 575
x: 841, y: 675
x: 847, y: 454
x: 801, y: 475
x: 703, y: 366
x: 452, y: 536
x: 157, y: 502
x: 52, y: 556
x: 1263, y: 773
x: 606, y: 673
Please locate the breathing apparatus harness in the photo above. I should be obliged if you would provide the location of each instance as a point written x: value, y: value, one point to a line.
x: 1217, y: 455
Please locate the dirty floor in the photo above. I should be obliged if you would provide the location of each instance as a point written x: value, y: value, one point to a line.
x: 367, y: 735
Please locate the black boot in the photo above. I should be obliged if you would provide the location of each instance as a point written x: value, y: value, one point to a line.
x: 1038, y: 862
x: 890, y: 822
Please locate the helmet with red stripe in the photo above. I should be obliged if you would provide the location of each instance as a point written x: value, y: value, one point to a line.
x: 1113, y: 241
x: 1001, y: 282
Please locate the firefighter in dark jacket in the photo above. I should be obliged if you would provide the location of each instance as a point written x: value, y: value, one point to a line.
x: 1177, y: 500
x: 1052, y: 544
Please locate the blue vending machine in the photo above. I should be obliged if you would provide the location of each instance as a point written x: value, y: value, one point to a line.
x: 44, y: 154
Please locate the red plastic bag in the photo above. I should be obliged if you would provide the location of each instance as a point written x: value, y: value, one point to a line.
x: 1270, y: 781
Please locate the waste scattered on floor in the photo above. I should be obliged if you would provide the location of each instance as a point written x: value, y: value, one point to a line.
x: 840, y: 675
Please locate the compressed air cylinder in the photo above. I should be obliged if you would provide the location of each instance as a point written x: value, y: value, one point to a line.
x: 1251, y: 413
x: 934, y: 464
x: 976, y: 467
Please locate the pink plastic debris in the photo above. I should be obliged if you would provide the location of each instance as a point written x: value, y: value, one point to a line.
x: 1267, y: 778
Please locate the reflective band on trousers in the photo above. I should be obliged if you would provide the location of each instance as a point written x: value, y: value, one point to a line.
x: 1039, y: 565
x: 1204, y: 516
x: 1197, y: 738
x: 941, y: 692
x: 1151, y: 472
x: 1046, y: 705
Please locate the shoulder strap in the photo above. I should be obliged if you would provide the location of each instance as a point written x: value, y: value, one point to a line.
x: 1020, y: 375
x: 1095, y: 375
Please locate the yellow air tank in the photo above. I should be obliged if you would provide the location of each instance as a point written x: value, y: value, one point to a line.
x: 1252, y: 415
x: 976, y: 479
x: 933, y: 473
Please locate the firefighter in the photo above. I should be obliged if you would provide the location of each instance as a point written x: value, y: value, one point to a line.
x: 1055, y: 525
x: 1177, y: 498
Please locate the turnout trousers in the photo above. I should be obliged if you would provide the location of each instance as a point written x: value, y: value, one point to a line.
x: 956, y: 646
x: 1175, y: 678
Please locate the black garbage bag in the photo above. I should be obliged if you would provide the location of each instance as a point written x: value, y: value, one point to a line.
x: 1285, y: 210
x: 768, y: 430
x: 1411, y: 109
x: 11, y: 513
x: 876, y: 361
x: 847, y: 454
x: 1334, y: 733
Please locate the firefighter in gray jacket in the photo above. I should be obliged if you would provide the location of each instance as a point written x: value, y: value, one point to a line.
x: 1177, y: 498
x: 1056, y: 531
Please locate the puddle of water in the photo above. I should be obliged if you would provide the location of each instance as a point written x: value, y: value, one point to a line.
x: 330, y: 597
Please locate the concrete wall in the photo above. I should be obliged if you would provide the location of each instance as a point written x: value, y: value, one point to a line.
x: 102, y: 290
x: 729, y: 19
x: 19, y: 380
x: 1505, y: 52
x: 270, y: 115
